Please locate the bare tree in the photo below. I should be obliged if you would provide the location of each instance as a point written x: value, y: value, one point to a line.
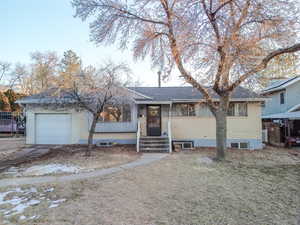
x: 226, y: 40
x: 43, y: 70
x: 38, y: 76
x: 4, y: 69
x: 280, y: 67
x: 95, y: 89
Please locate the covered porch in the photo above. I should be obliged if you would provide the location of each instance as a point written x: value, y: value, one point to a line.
x: 154, y: 127
x: 283, y: 128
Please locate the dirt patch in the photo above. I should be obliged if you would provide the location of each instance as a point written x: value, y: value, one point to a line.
x: 100, y: 157
x: 61, y: 160
x: 10, y: 145
x: 250, y: 188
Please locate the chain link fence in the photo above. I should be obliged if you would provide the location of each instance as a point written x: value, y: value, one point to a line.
x: 12, y: 124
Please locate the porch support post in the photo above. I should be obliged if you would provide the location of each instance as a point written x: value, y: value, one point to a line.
x: 170, y: 128
x: 138, y: 135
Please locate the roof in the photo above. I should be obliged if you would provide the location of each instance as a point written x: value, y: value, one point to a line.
x: 151, y: 94
x: 188, y: 93
x: 280, y: 84
x: 286, y: 115
x: 49, y: 96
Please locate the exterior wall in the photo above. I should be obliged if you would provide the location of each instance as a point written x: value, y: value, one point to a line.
x: 118, y: 126
x: 292, y: 98
x: 202, y: 130
x: 293, y: 95
x: 78, y: 124
x: 120, y: 138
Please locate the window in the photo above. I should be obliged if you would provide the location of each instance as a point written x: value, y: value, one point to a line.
x: 231, y: 111
x: 184, y: 144
x: 282, y: 98
x: 244, y: 145
x: 120, y: 113
x: 184, y: 110
x: 234, y: 145
x: 238, y: 109
x: 239, y: 145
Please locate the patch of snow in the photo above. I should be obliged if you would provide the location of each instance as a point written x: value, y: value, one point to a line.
x: 21, y: 207
x: 50, y: 169
x: 59, y: 200
x: 55, y: 203
x: 22, y: 217
x: 33, y: 217
x: 49, y: 189
x: 19, y: 200
x: 205, y: 160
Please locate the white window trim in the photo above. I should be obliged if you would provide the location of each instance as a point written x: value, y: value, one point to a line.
x: 239, y: 144
x: 284, y: 97
x: 236, y: 109
x: 188, y: 110
x: 122, y: 108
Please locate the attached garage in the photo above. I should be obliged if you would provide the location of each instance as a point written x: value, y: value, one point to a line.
x: 53, y: 128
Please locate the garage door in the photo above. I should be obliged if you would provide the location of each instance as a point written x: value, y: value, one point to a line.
x: 53, y: 129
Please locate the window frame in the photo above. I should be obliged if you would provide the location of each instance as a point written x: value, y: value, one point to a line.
x: 191, y: 110
x: 282, y: 98
x: 101, y: 119
x: 236, y: 109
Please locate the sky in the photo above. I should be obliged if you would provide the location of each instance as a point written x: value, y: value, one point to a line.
x: 49, y: 25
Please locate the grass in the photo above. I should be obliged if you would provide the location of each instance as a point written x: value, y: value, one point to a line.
x: 250, y: 188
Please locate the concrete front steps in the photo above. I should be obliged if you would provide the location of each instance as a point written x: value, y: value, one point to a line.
x: 154, y: 144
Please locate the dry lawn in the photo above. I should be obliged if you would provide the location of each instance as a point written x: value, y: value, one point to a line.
x: 9, y: 146
x: 251, y: 188
x: 104, y: 157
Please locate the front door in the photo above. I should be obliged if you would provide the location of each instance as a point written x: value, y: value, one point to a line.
x: 153, y: 120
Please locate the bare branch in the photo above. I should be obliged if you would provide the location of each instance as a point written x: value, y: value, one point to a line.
x: 264, y: 64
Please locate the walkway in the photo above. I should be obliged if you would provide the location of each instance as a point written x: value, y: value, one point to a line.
x: 144, y: 160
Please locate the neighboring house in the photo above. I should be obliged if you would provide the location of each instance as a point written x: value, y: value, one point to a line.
x: 281, y: 112
x: 155, y: 118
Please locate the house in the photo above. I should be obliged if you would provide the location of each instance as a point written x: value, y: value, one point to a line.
x: 156, y: 118
x: 281, y: 112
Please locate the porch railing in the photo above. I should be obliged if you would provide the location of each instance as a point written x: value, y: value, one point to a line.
x: 138, y: 136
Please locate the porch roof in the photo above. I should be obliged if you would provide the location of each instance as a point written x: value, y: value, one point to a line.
x: 285, y: 115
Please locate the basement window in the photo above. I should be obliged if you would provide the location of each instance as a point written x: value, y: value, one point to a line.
x: 239, y: 145
x: 244, y: 145
x: 184, y: 144
x: 234, y: 145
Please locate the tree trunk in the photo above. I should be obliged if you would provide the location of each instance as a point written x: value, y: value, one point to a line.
x: 221, y: 128
x: 91, y: 136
